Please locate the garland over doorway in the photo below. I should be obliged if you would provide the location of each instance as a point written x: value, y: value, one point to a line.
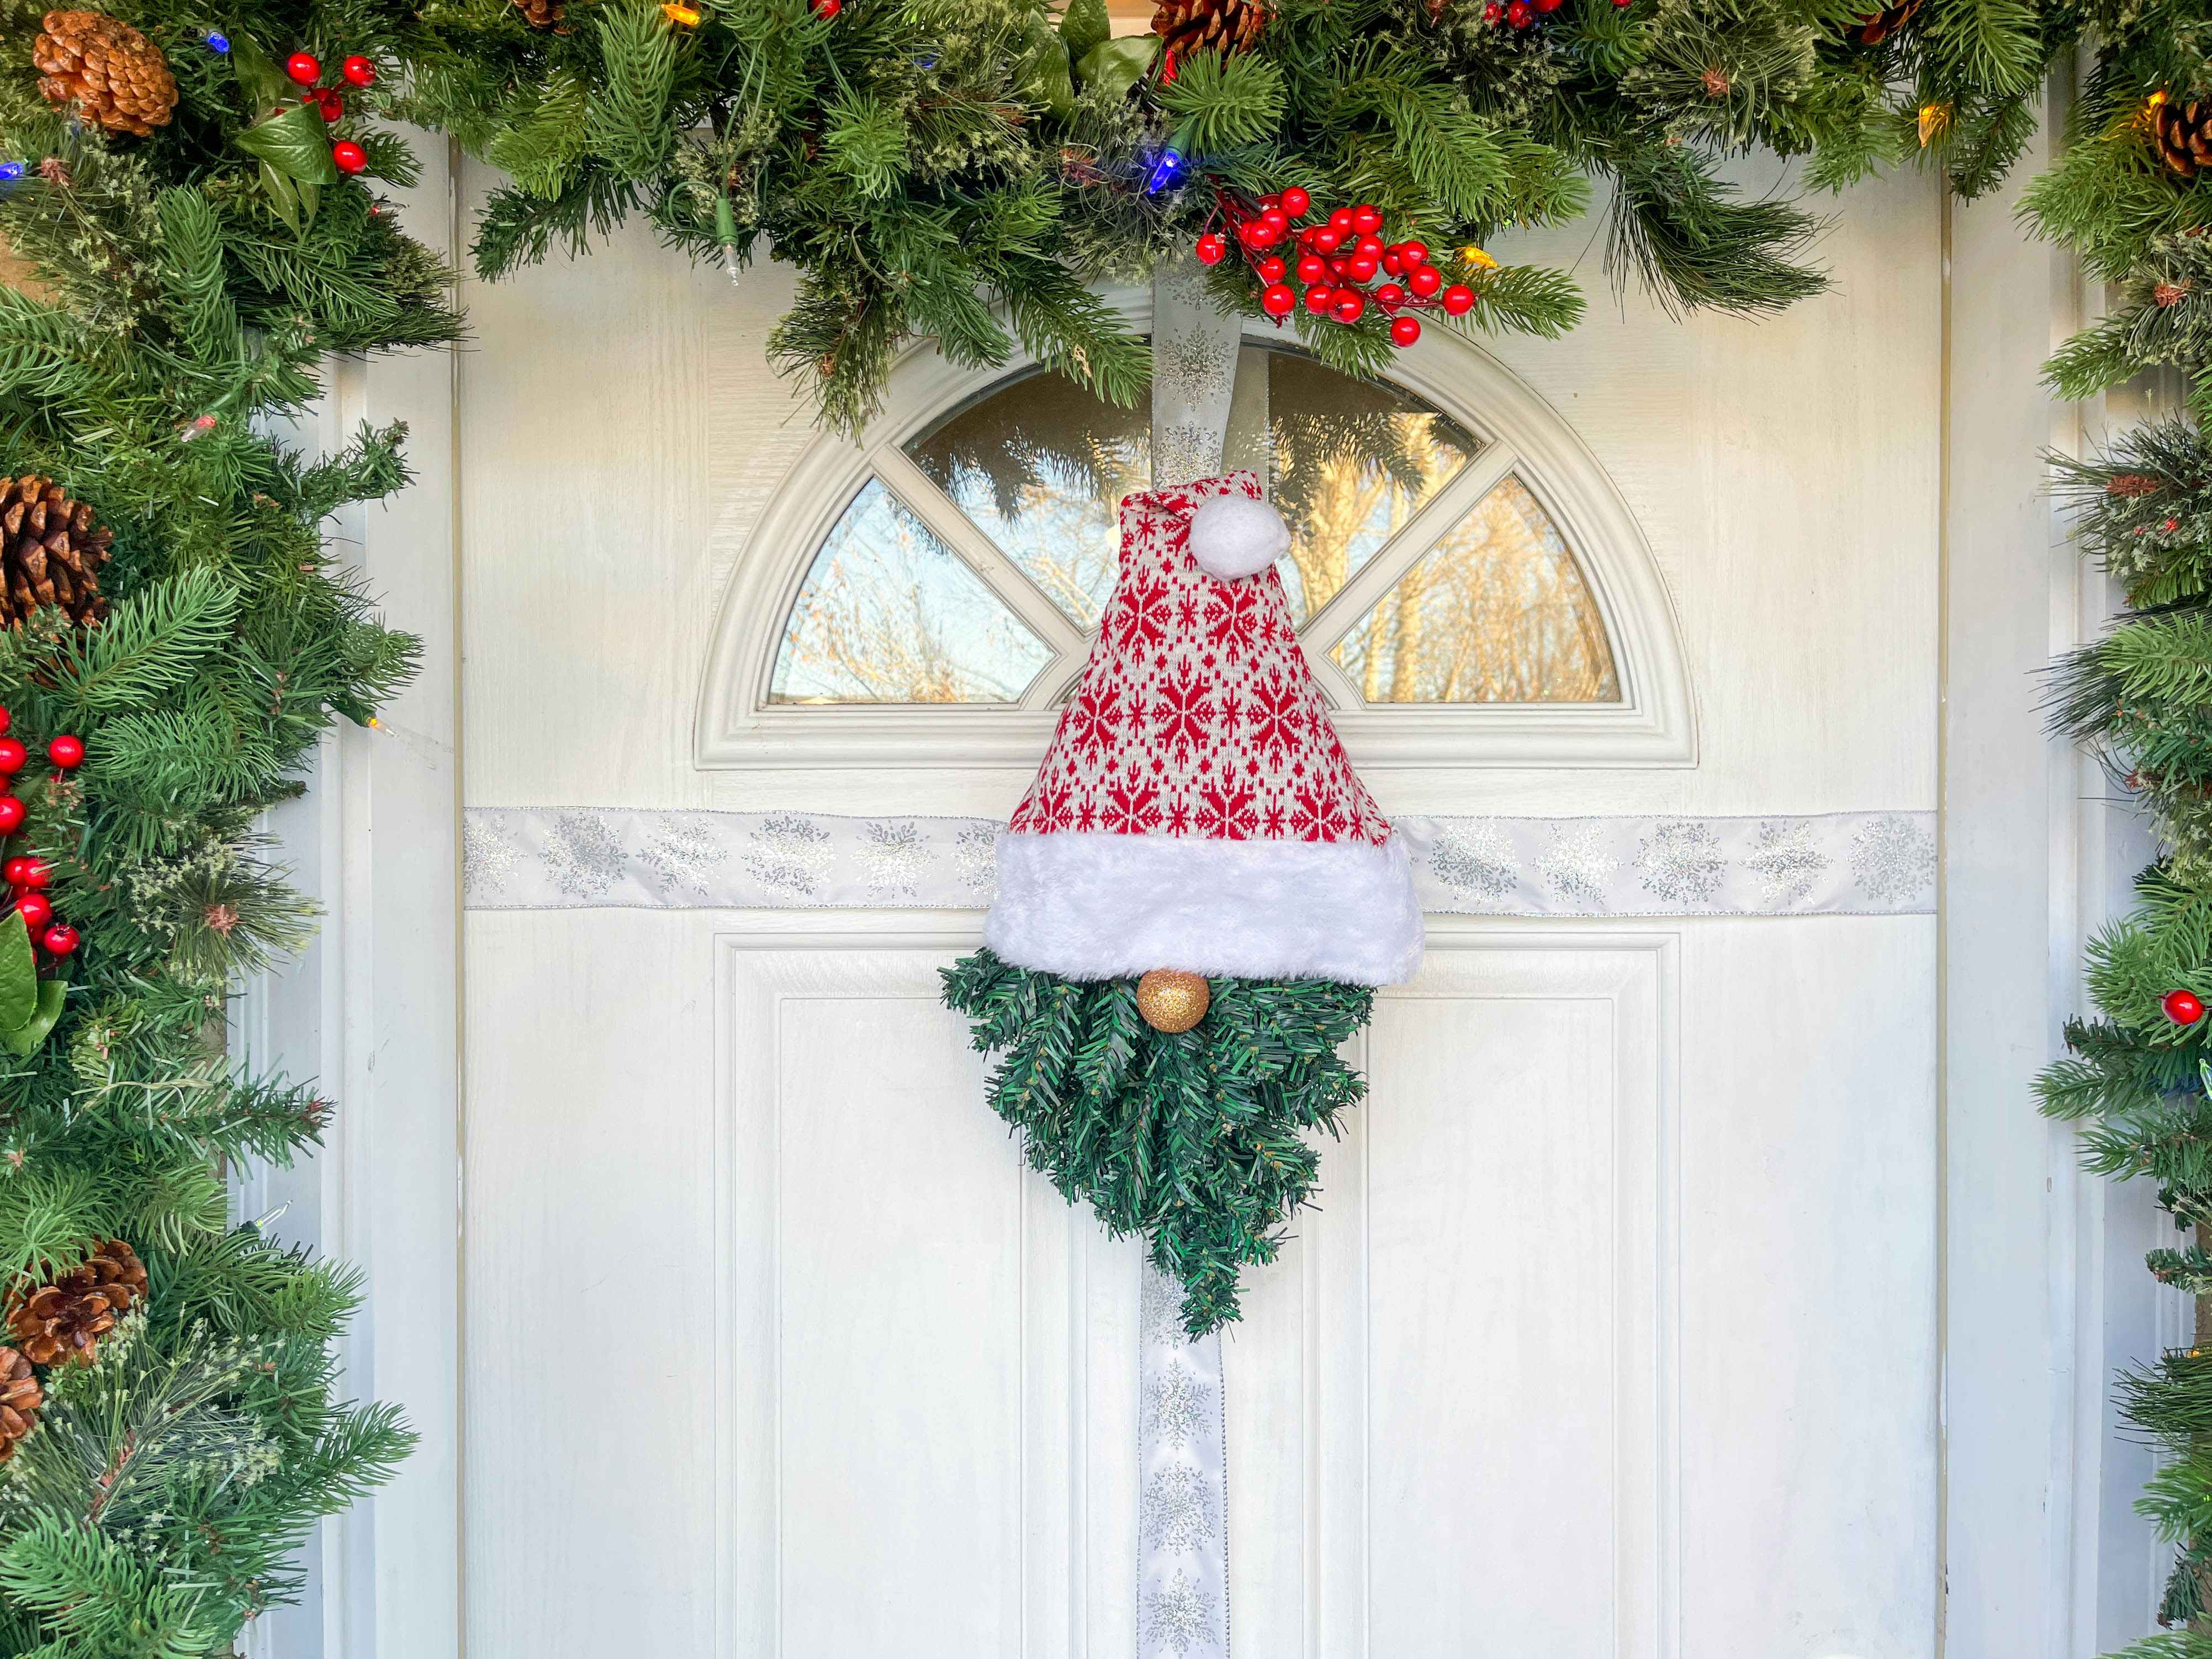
x: 190, y: 194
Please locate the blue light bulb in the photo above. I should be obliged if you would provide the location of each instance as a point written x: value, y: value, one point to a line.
x: 218, y: 42
x: 11, y: 170
x: 1163, y: 172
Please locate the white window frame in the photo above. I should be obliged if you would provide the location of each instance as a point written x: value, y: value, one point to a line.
x: 1653, y: 725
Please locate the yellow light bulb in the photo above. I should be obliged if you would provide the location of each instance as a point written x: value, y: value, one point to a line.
x: 1474, y: 256
x: 676, y: 12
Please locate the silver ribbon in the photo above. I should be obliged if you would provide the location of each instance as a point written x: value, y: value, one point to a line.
x: 563, y: 858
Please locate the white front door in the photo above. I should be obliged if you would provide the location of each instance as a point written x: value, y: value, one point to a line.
x: 1615, y: 1331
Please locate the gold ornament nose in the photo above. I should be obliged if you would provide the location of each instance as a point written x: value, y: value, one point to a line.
x: 1171, y: 1000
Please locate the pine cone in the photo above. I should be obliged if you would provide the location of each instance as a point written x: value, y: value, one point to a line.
x: 2183, y: 133
x: 115, y: 75
x: 65, y: 1317
x: 1879, y: 26
x: 543, y: 14
x: 19, y: 1400
x: 50, y: 553
x: 1224, y: 26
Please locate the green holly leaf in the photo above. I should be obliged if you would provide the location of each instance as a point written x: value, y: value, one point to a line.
x: 266, y: 85
x: 24, y: 1039
x: 1045, y: 77
x: 296, y: 140
x: 19, y: 973
x: 1114, y: 66
x: 1083, y: 26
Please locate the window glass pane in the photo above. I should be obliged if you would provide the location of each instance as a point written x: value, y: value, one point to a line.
x: 1497, y: 613
x: 888, y: 613
x: 1353, y: 462
x: 1040, y: 466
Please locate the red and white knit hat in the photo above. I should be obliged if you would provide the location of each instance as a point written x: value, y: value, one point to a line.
x: 1195, y: 809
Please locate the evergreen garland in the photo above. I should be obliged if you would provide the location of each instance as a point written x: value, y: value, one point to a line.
x: 917, y: 159
x: 178, y: 292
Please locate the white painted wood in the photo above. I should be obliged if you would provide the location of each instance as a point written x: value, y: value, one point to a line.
x: 372, y: 1011
x: 1712, y: 1372
x: 2045, y: 1295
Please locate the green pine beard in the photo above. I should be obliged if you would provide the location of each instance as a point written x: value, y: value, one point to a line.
x: 1192, y: 1140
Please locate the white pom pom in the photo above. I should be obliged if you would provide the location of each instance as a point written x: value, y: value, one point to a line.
x: 1233, y: 536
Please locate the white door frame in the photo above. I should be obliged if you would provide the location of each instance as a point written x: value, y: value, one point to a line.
x: 2043, y: 1293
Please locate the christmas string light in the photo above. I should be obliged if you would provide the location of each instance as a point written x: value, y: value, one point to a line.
x: 1165, y: 171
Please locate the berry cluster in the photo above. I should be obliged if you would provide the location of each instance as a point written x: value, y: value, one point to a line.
x: 330, y: 101
x: 1523, y: 13
x: 1339, y: 263
x: 28, y: 876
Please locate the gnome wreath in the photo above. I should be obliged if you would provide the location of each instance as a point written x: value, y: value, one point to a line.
x: 1194, y: 820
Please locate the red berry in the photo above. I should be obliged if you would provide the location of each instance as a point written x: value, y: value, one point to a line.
x: 1424, y: 280
x: 1351, y: 306
x: 832, y: 8
x: 1277, y: 299
x: 6, y: 720
x: 1548, y: 6
x: 1404, y: 331
x: 1623, y: 4
x: 1368, y: 243
x: 12, y: 813
x: 1458, y: 300
x: 66, y: 750
x: 13, y: 756
x: 13, y: 869
x: 350, y: 156
x: 1327, y: 240
x: 1413, y: 253
x: 302, y: 67
x: 1272, y: 269
x: 1212, y: 250
x: 1392, y: 262
x: 359, y: 70
x: 37, y: 872
x: 1367, y: 218
x: 1319, y: 298
x: 1520, y: 13
x: 1389, y: 296
x: 1296, y: 202
x: 1273, y: 199
x: 1363, y: 267
x: 1312, y: 268
x: 2183, y: 1007
x: 1338, y: 266
x: 60, y: 940
x: 1493, y: 11
x: 37, y: 910
x: 1275, y: 219
x: 329, y: 104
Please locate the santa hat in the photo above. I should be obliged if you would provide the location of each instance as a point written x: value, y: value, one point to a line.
x: 1195, y: 809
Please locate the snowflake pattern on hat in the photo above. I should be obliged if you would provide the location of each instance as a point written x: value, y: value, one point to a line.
x: 1197, y: 715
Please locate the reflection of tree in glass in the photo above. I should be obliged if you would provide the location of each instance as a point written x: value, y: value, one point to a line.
x: 889, y: 614
x: 1352, y: 461
x: 1497, y: 612
x: 1040, y: 466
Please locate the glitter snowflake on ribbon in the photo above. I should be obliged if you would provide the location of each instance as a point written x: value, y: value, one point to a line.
x: 1474, y: 859
x: 1177, y: 1405
x: 1680, y: 863
x: 1576, y: 867
x: 789, y: 854
x: 583, y: 855
x: 895, y: 856
x: 1176, y: 1513
x: 1179, y: 1618
x: 682, y: 857
x: 1891, y: 859
x: 1787, y: 862
x: 488, y: 857
x: 975, y: 860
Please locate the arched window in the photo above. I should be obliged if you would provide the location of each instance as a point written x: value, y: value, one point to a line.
x: 1468, y: 585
